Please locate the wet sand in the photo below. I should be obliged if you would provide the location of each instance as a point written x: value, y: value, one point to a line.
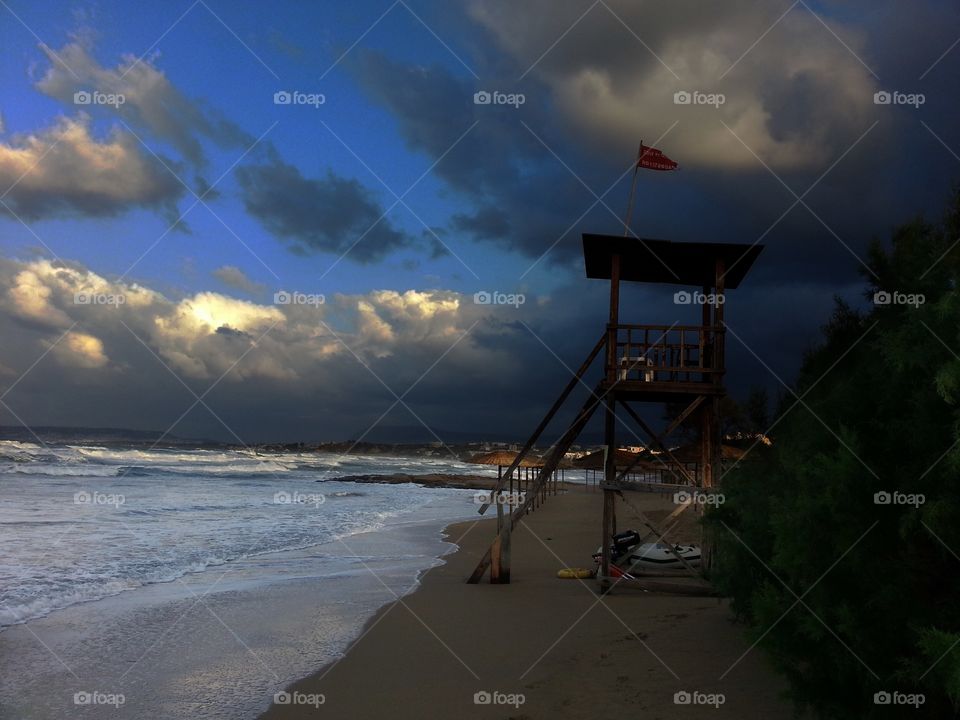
x: 554, y: 644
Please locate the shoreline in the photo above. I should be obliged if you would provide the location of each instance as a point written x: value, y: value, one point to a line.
x: 548, y: 646
x: 229, y: 637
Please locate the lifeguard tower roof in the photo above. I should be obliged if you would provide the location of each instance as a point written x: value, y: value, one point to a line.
x: 664, y: 261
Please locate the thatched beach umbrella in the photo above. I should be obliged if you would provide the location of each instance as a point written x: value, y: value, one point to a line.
x: 594, y: 463
x: 595, y: 460
x: 502, y: 459
x: 558, y: 472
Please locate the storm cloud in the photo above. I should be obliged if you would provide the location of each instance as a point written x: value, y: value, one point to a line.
x: 795, y: 144
x: 327, y: 214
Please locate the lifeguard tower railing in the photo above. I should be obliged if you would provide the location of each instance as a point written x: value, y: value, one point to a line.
x: 665, y: 354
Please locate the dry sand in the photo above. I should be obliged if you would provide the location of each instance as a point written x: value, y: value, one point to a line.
x: 569, y: 652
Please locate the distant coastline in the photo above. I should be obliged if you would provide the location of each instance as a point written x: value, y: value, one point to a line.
x: 154, y: 438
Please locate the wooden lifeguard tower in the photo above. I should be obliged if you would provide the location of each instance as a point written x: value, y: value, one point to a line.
x: 682, y: 364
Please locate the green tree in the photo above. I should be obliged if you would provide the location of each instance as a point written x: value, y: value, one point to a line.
x: 851, y: 597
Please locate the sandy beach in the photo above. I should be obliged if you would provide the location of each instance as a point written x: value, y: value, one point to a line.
x: 543, y: 647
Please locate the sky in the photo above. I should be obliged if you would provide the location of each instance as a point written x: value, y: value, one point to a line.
x: 269, y: 221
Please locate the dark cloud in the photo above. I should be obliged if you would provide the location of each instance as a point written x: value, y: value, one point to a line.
x: 800, y: 102
x: 487, y: 223
x: 329, y: 214
x: 495, y: 163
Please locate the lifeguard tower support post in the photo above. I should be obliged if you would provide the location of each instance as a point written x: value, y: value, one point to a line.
x: 675, y: 363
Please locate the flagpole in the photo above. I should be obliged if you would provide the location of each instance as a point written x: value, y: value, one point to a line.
x: 633, y: 189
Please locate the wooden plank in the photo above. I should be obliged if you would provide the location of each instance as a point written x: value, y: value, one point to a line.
x: 496, y: 555
x: 658, y: 572
x: 665, y: 586
x: 609, y: 476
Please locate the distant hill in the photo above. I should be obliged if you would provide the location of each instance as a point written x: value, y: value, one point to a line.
x: 104, y: 436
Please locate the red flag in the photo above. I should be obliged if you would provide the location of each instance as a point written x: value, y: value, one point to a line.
x: 652, y: 159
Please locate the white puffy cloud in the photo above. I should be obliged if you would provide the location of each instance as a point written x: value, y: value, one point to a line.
x: 203, y: 336
x: 82, y: 350
x: 64, y: 170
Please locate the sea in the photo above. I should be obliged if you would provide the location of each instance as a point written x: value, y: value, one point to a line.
x: 198, y: 583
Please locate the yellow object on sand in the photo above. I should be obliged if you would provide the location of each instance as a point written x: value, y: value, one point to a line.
x: 574, y: 573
